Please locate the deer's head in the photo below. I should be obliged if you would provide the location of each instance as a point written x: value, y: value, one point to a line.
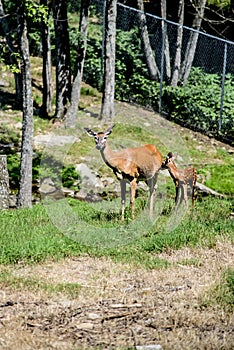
x: 100, y: 138
x: 169, y: 161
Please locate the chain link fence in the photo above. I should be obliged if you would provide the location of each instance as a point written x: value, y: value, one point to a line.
x: 213, y: 56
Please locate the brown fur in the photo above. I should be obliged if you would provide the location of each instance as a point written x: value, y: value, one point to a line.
x: 182, y: 179
x: 130, y: 164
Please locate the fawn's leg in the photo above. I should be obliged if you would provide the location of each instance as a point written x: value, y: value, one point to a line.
x: 185, y: 190
x: 177, y: 193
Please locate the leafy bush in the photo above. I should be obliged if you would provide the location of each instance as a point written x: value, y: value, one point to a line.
x: 54, y: 169
x: 197, y: 105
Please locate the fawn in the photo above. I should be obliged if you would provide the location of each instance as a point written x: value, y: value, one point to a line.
x: 182, y: 179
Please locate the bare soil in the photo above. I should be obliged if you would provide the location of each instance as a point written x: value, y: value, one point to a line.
x: 120, y: 306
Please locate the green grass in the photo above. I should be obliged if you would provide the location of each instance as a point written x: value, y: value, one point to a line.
x: 30, y: 236
x: 222, y: 293
x: 221, y: 178
x: 35, y: 284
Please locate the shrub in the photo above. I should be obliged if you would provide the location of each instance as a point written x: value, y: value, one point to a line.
x: 197, y: 105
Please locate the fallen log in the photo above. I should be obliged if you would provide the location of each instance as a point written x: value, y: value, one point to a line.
x: 208, y: 191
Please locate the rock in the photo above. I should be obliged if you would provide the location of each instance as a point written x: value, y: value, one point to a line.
x: 85, y: 326
x: 12, y: 201
x: 89, y: 181
x: 81, y: 195
x: 53, y: 140
x: 48, y: 188
x: 4, y: 83
x: 68, y: 192
x: 87, y: 196
x: 149, y: 347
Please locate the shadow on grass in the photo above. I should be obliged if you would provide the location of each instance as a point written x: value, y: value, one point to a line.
x: 8, y: 99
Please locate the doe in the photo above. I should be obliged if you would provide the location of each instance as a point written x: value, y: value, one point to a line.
x: 130, y: 165
x: 181, y: 178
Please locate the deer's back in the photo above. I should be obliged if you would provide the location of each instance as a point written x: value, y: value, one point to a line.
x: 142, y: 161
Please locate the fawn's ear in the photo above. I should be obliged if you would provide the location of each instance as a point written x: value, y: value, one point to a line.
x: 109, y: 130
x: 90, y: 132
x: 172, y: 156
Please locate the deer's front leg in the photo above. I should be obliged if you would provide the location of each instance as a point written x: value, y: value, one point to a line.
x: 123, y: 198
x: 133, y: 184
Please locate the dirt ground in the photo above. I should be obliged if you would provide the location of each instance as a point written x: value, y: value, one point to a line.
x: 120, y: 306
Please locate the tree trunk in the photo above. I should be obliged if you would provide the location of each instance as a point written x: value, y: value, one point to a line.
x: 167, y: 50
x: 4, y: 183
x: 78, y: 74
x: 63, y: 69
x: 107, y: 110
x: 24, y: 198
x: 12, y: 56
x: 148, y: 52
x: 177, y: 61
x: 192, y: 42
x: 47, y: 98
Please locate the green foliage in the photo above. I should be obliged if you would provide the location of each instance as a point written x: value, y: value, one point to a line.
x: 61, y: 174
x: 49, y: 166
x: 223, y: 4
x: 197, y: 105
x: 37, y: 12
x: 70, y: 176
x: 93, y: 59
x: 13, y: 164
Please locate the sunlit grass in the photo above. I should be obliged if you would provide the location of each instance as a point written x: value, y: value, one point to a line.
x: 31, y: 236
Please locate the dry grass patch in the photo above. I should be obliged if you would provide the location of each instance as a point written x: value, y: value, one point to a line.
x: 119, y: 305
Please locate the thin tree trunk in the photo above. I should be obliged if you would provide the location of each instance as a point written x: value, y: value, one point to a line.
x: 78, y: 74
x: 12, y: 57
x: 166, y: 50
x: 48, y: 88
x: 107, y: 109
x: 192, y: 42
x: 63, y: 69
x: 148, y: 52
x: 177, y: 61
x: 4, y: 183
x: 24, y: 198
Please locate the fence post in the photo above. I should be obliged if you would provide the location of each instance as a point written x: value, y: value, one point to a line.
x: 164, y: 31
x: 222, y: 87
x: 4, y: 183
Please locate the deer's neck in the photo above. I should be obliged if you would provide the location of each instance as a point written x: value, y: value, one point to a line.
x: 174, y: 172
x: 109, y: 156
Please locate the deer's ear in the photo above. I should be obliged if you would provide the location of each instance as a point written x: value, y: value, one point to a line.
x: 109, y: 130
x: 90, y: 132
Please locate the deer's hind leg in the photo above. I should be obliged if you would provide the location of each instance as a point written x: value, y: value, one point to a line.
x: 133, y: 184
x: 152, y: 187
x: 123, y: 198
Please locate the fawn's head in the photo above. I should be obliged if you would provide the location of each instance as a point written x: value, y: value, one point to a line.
x: 169, y: 161
x: 99, y: 137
